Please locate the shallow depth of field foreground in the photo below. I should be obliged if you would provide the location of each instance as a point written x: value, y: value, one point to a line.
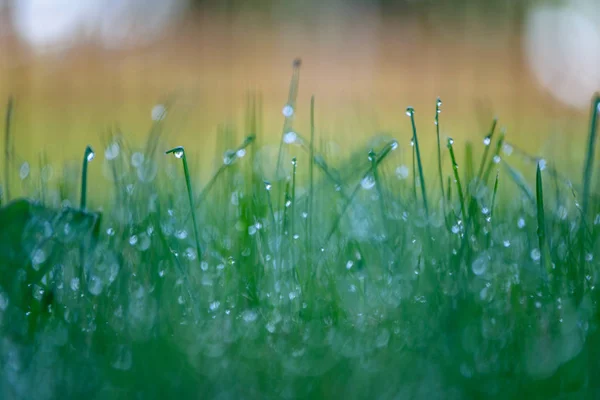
x: 295, y: 273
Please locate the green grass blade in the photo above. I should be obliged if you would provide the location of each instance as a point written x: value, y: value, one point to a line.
x: 411, y: 113
x: 7, y: 149
x: 179, y: 152
x: 487, y: 141
x: 541, y: 219
x: 87, y: 157
x: 438, y: 110
x: 288, y: 111
x: 587, y: 176
x: 459, y: 188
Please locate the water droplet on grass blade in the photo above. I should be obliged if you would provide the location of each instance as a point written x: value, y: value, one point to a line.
x: 267, y: 185
x: 91, y: 156
x: 240, y: 153
x: 368, y: 182
x: 535, y: 254
x: 542, y: 164
x: 24, y: 170
x: 74, y: 284
x: 287, y: 111
x: 507, y: 149
x: 249, y: 316
x: 410, y: 111
x: 159, y: 112
x: 497, y: 159
x: 290, y: 137
x: 229, y: 157
x: 213, y: 306
x: 178, y: 153
x: 487, y: 141
x: 402, y: 172
x: 137, y: 159
x: 112, y: 151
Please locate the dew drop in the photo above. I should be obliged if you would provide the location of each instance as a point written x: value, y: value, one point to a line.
x: 229, y: 157
x: 480, y: 265
x: 181, y: 234
x: 521, y: 223
x: 410, y: 111
x: 542, y: 164
x: 349, y: 264
x: 178, y: 153
x: 24, y: 170
x: 368, y: 182
x: 240, y: 153
x: 213, y: 306
x: 287, y: 111
x: 74, y: 284
x: 133, y: 240
x: 137, y: 159
x: 589, y: 257
x: 290, y: 137
x: 535, y: 254
x: 506, y: 243
x: 159, y: 112
x: 450, y: 141
x: 487, y: 141
x: 267, y: 185
x: 190, y: 254
x: 402, y: 172
x: 249, y: 316
x: 90, y: 156
x: 95, y: 285
x: 507, y: 149
x: 497, y: 159
x: 112, y: 151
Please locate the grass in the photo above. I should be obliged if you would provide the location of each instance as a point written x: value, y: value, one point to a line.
x: 332, y: 280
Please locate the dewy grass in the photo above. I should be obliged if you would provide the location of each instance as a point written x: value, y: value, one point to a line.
x: 179, y: 152
x: 309, y: 298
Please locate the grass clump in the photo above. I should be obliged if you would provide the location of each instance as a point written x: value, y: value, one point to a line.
x: 332, y: 280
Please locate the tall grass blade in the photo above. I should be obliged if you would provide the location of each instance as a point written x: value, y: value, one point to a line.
x: 288, y: 111
x: 7, y: 149
x: 438, y: 110
x: 459, y: 189
x: 587, y: 177
x: 411, y: 113
x: 541, y: 219
x: 88, y: 156
x: 179, y: 152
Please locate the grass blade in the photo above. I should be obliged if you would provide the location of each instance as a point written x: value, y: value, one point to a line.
x: 459, y: 188
x: 438, y: 110
x: 411, y: 113
x: 587, y: 176
x: 87, y: 157
x: 7, y: 149
x: 179, y: 152
x: 541, y: 219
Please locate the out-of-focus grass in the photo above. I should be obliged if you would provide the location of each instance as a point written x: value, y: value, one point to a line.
x: 322, y: 276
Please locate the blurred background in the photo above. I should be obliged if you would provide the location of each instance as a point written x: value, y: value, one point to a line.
x: 78, y: 68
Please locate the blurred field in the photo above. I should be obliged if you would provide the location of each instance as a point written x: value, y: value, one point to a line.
x: 363, y: 68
